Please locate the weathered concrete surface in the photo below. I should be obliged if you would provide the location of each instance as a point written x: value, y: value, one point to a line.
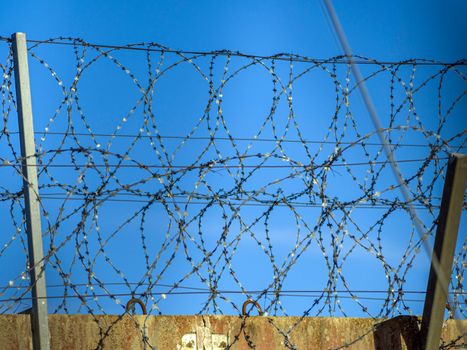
x: 216, y: 332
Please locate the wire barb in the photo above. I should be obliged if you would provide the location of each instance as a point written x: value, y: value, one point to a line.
x: 145, y: 193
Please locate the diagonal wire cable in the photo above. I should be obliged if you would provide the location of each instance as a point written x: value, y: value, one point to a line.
x: 389, y: 154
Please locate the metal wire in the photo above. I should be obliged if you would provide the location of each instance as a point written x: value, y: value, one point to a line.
x: 226, y: 217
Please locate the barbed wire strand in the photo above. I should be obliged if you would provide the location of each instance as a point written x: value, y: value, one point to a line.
x: 360, y: 82
x: 201, y: 211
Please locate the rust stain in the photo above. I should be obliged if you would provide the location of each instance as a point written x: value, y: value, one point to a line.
x: 212, y: 332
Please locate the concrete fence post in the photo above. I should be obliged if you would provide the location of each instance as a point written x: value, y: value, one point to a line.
x: 39, y: 313
x: 443, y: 250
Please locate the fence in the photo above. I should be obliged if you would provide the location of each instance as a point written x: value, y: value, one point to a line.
x: 194, y: 181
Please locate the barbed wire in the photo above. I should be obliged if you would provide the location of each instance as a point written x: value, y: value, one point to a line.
x: 219, y: 203
x: 238, y: 139
x: 151, y: 47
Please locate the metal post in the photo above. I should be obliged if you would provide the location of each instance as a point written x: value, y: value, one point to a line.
x: 445, y: 244
x: 39, y: 316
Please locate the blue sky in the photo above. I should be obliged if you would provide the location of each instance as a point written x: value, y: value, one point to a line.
x: 396, y: 30
x: 387, y: 30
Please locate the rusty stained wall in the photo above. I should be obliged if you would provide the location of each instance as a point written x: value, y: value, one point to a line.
x: 216, y: 332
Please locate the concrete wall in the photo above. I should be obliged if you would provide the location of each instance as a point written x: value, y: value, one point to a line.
x: 217, y: 332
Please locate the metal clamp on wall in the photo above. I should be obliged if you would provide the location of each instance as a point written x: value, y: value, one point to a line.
x: 129, y: 305
x: 248, y: 302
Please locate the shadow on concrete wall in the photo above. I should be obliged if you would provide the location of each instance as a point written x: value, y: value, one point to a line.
x: 401, y: 332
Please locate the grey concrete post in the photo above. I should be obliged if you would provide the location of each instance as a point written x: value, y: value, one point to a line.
x: 443, y: 250
x: 39, y: 316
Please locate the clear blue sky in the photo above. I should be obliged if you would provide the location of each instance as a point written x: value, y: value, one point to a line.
x: 394, y: 30
x: 385, y: 30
